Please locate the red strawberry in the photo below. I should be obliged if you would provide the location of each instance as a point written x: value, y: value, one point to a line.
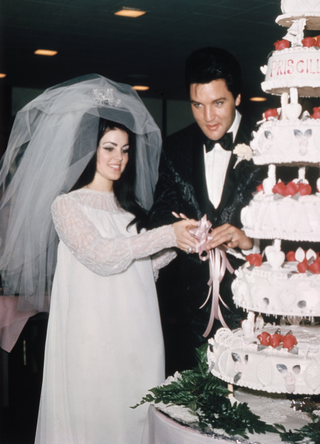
x: 289, y: 341
x: 317, y: 39
x: 316, y: 112
x: 281, y: 44
x: 259, y: 187
x: 304, y: 189
x: 302, y: 267
x: 315, y: 266
x: 254, y: 259
x: 291, y: 256
x: 270, y: 113
x: 279, y: 188
x: 264, y: 338
x: 309, y: 42
x: 275, y: 340
x: 291, y: 189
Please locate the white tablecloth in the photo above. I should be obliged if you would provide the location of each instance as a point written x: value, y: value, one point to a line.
x: 161, y: 429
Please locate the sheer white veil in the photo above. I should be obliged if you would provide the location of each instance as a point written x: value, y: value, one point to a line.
x: 52, y: 140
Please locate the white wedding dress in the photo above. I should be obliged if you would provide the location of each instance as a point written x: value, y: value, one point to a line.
x: 104, y: 346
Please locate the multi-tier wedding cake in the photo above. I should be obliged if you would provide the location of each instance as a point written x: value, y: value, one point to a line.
x: 282, y: 358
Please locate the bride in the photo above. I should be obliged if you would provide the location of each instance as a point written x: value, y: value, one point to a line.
x: 104, y: 346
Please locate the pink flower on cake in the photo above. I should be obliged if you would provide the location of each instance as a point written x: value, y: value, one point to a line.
x: 309, y: 42
x: 290, y: 382
x: 316, y: 113
x: 289, y: 377
x: 281, y: 44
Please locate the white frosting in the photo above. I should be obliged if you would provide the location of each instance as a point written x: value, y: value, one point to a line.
x: 300, y: 6
x: 237, y: 360
x: 287, y: 141
x: 275, y: 217
x: 283, y: 292
x: 276, y: 288
x: 294, y: 67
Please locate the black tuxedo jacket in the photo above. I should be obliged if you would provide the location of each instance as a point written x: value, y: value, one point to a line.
x: 181, y: 187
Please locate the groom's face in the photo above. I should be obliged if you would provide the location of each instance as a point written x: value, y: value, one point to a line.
x: 213, y: 107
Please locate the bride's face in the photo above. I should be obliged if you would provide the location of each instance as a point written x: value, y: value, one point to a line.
x: 112, y: 156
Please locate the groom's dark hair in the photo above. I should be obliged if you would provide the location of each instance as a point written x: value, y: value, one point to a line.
x: 207, y: 64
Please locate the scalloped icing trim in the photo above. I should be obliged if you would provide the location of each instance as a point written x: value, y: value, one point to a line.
x: 287, y: 141
x: 273, y: 292
x: 286, y: 218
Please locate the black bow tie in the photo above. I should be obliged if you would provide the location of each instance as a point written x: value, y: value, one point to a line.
x: 226, y: 142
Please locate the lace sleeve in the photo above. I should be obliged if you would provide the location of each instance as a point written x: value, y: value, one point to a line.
x: 161, y: 260
x: 102, y: 255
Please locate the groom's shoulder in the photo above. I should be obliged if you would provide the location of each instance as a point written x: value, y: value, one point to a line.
x: 183, y: 136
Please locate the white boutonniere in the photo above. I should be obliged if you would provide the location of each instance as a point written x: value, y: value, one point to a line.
x: 243, y: 152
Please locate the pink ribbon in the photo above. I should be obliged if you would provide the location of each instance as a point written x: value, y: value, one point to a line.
x: 218, y: 263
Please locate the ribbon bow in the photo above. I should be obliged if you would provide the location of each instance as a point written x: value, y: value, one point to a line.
x: 218, y: 263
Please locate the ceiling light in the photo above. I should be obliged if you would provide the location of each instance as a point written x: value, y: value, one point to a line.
x: 2, y: 75
x: 140, y: 88
x: 130, y: 12
x: 46, y: 52
x: 258, y: 99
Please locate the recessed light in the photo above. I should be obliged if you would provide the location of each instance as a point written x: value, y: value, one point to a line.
x: 130, y: 12
x: 258, y: 99
x: 140, y: 88
x: 2, y: 75
x: 46, y: 52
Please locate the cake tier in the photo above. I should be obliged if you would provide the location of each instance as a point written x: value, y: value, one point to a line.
x: 239, y: 360
x: 295, y: 67
x: 271, y: 408
x: 287, y: 141
x: 283, y: 292
x: 313, y: 19
x: 272, y: 216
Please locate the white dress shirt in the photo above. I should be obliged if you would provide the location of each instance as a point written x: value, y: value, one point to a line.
x: 216, y: 165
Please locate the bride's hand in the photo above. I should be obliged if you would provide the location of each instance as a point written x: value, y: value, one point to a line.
x: 185, y: 241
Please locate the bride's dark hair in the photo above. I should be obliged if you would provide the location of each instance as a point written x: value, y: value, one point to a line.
x: 124, y: 188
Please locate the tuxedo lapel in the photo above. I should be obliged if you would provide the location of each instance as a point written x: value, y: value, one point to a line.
x: 243, y: 136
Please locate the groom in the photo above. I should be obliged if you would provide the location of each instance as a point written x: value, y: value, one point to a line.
x: 198, y: 176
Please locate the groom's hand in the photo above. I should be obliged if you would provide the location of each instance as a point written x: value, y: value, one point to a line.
x: 230, y: 236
